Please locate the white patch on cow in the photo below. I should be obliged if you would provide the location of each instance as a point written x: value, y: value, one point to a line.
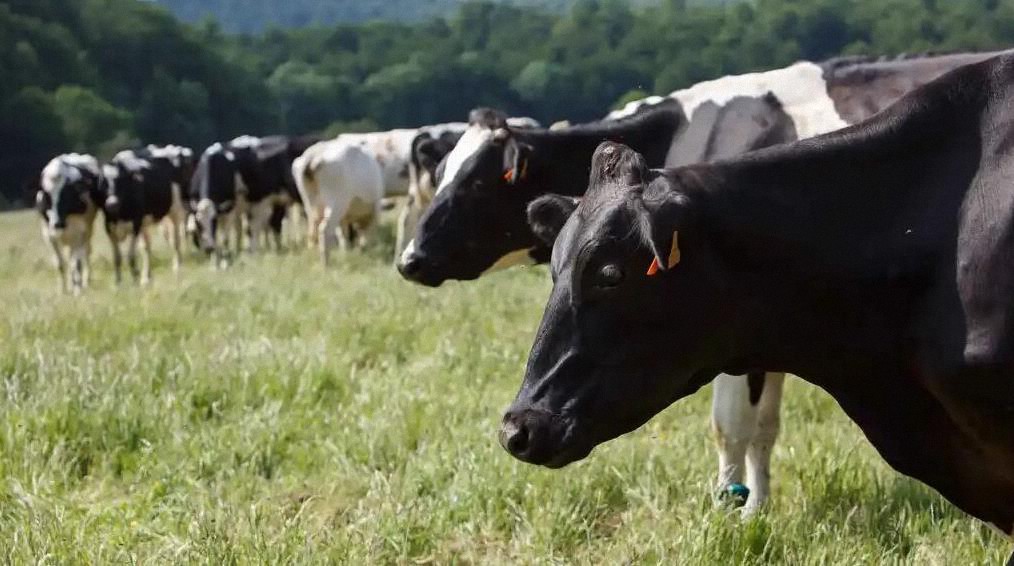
x: 523, y: 122
x: 470, y: 143
x: 517, y: 257
x: 407, y: 253
x: 246, y: 142
x: 630, y: 108
x: 214, y: 148
x: 800, y: 88
x: 111, y: 172
x: 205, y: 210
x: 174, y: 153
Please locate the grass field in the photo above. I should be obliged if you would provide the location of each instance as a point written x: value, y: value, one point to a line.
x: 278, y: 412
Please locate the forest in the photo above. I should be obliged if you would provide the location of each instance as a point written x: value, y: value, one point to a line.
x: 256, y: 15
x: 101, y: 75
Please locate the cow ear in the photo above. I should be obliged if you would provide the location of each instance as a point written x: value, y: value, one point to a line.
x: 516, y: 162
x: 664, y: 213
x: 547, y: 215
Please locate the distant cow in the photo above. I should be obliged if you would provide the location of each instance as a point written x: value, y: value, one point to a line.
x: 247, y: 177
x: 875, y: 262
x: 144, y: 188
x: 68, y: 201
x: 341, y: 187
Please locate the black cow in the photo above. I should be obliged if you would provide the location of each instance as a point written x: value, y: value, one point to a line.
x: 476, y: 222
x: 67, y: 201
x: 248, y: 177
x: 142, y: 188
x: 876, y: 262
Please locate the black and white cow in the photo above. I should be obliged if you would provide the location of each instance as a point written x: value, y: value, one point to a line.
x: 476, y: 222
x: 875, y: 262
x: 247, y: 178
x: 143, y: 188
x: 68, y: 201
x: 430, y: 148
x: 721, y: 118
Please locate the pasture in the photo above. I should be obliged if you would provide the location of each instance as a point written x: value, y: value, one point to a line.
x: 280, y: 412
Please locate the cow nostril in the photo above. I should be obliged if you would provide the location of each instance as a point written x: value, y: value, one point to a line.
x: 515, y: 438
x: 518, y: 442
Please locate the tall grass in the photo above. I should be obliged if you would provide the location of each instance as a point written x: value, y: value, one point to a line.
x: 281, y: 412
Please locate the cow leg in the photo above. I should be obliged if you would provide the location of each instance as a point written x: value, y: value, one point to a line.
x: 145, y: 256
x: 758, y: 454
x: 58, y: 261
x: 226, y: 233
x: 313, y: 218
x: 77, y: 261
x: 86, y: 262
x: 407, y: 223
x: 325, y: 232
x: 132, y: 255
x: 734, y: 422
x: 237, y: 219
x: 175, y: 226
x: 117, y: 258
x: 345, y: 234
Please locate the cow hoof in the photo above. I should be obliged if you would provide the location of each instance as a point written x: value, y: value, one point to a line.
x: 734, y: 495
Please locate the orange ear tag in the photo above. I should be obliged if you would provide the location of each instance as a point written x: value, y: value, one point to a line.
x: 674, y: 256
x: 508, y: 175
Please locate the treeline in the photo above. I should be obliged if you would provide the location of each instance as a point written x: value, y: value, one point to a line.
x: 99, y: 75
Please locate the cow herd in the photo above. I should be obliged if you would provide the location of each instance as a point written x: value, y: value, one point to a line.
x: 850, y: 222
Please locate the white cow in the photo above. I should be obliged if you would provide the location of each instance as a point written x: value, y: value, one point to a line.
x: 342, y: 187
x: 68, y: 202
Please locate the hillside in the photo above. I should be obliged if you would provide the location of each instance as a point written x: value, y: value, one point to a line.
x: 255, y: 15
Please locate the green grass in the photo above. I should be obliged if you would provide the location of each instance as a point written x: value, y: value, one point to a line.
x: 278, y: 412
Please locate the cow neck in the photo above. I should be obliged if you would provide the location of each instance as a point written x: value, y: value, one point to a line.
x: 848, y: 224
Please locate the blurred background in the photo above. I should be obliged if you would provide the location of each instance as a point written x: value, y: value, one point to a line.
x: 100, y: 75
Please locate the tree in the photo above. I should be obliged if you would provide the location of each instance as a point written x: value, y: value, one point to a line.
x: 88, y: 119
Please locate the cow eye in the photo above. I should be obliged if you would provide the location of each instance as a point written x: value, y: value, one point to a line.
x: 610, y: 275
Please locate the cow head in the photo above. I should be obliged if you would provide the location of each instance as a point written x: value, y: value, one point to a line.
x: 457, y: 237
x: 70, y: 190
x: 121, y: 181
x: 212, y: 193
x: 635, y: 320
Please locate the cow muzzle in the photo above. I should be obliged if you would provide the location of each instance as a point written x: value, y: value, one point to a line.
x: 112, y: 206
x: 540, y: 438
x: 417, y: 268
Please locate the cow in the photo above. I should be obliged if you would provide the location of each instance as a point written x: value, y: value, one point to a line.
x: 494, y: 171
x: 874, y: 262
x: 68, y: 201
x: 143, y: 188
x: 248, y: 177
x: 429, y: 148
x: 721, y: 118
x: 341, y: 186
